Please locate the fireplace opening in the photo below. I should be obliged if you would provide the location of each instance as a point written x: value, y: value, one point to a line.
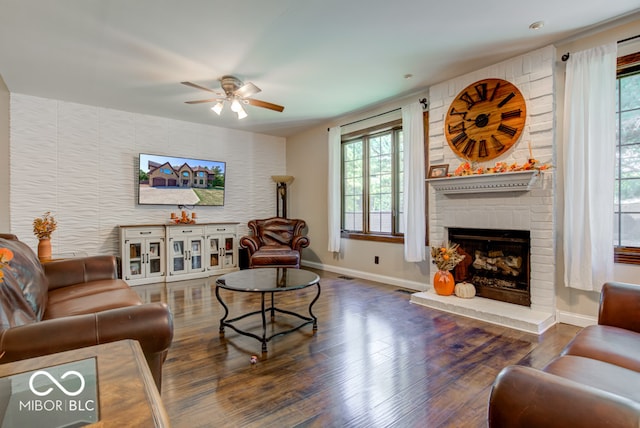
x: 496, y: 263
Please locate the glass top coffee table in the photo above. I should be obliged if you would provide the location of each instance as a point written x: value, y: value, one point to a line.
x: 267, y: 281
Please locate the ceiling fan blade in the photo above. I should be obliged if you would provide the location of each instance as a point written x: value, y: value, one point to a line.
x: 210, y: 100
x: 193, y: 85
x: 247, y: 90
x: 264, y: 104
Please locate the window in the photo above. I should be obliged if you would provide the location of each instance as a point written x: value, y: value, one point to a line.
x: 372, y: 184
x: 627, y: 180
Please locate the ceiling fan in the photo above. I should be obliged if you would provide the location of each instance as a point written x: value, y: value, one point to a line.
x: 234, y: 91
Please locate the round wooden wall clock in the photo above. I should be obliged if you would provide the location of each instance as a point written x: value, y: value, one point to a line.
x: 485, y: 119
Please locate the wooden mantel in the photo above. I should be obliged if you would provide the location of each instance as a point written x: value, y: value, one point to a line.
x: 518, y: 181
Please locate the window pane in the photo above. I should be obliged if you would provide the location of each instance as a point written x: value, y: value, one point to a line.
x: 400, y: 183
x: 629, y: 90
x: 630, y: 126
x: 380, y: 184
x: 352, y: 186
x: 627, y: 190
x: 630, y: 224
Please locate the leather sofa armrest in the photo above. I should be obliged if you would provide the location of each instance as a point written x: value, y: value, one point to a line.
x: 527, y: 397
x: 251, y: 243
x: 150, y: 324
x: 299, y: 242
x: 62, y: 273
x: 620, y: 306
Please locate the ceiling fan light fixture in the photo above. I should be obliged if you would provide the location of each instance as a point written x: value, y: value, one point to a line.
x: 218, y: 108
x: 235, y: 106
x: 241, y: 113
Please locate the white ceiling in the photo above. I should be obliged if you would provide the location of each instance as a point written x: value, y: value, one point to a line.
x: 320, y: 59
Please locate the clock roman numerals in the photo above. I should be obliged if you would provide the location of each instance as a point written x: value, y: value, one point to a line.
x: 497, y: 144
x: 468, y: 148
x: 458, y: 113
x: 511, y: 114
x: 454, y: 129
x: 507, y: 129
x: 482, y: 149
x: 481, y: 90
x: 506, y: 99
x: 459, y: 139
x: 495, y: 90
x: 467, y: 99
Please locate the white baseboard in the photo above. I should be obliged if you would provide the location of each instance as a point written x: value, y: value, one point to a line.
x: 398, y: 282
x: 575, y: 319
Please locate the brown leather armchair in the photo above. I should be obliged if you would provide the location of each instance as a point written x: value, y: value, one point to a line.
x: 69, y: 304
x: 275, y: 242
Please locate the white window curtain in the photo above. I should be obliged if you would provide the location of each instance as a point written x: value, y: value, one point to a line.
x: 414, y: 214
x: 589, y: 167
x: 333, y: 190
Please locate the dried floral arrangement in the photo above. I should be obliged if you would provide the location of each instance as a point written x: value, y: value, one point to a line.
x: 6, y: 255
x: 44, y: 226
x: 446, y: 256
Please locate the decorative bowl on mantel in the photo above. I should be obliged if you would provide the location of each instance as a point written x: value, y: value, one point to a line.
x: 517, y: 181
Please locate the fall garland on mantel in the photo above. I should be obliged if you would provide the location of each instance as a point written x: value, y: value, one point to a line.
x: 532, y: 164
x: 467, y: 168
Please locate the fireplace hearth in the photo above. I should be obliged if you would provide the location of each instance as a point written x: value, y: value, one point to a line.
x: 496, y: 263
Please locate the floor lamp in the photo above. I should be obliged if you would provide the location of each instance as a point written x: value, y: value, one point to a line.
x: 282, y: 181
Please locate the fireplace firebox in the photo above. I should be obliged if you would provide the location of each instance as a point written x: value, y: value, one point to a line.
x: 496, y: 263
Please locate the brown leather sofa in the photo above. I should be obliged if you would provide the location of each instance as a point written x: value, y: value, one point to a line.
x: 595, y: 382
x: 69, y: 304
x: 275, y: 242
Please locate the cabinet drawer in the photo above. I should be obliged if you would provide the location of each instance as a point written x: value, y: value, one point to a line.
x: 179, y: 231
x: 147, y: 232
x: 223, y: 228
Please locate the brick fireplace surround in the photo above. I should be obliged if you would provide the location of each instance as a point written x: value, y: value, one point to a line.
x: 523, y: 210
x: 529, y: 209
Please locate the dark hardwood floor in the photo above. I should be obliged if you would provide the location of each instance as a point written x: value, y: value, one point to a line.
x: 376, y: 360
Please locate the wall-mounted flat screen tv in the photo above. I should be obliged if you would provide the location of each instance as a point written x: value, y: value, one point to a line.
x: 169, y: 180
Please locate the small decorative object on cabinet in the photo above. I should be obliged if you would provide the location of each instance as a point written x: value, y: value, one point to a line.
x: 465, y: 290
x: 143, y: 259
x: 445, y: 257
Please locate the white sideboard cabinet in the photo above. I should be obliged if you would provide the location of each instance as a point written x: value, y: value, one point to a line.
x: 158, y: 253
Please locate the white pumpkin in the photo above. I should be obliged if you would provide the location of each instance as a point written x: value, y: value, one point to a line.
x: 466, y: 290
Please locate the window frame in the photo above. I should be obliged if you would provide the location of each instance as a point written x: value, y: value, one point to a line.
x: 626, y: 65
x: 395, y: 236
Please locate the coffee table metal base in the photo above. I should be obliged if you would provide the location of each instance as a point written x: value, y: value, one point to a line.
x: 224, y: 322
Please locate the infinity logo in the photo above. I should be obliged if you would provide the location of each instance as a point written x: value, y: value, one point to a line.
x: 52, y: 379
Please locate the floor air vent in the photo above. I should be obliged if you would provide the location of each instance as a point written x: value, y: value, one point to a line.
x: 348, y: 278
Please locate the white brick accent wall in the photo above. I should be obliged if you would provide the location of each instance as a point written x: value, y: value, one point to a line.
x: 532, y: 73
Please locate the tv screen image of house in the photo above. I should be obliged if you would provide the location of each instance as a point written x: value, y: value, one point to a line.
x: 170, y: 180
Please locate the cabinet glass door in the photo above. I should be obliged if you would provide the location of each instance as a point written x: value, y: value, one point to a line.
x: 228, y: 251
x: 214, y: 251
x: 196, y: 254
x: 155, y: 257
x: 135, y: 258
x: 177, y: 256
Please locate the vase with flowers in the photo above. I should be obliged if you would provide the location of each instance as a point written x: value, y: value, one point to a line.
x: 445, y: 257
x: 43, y: 227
